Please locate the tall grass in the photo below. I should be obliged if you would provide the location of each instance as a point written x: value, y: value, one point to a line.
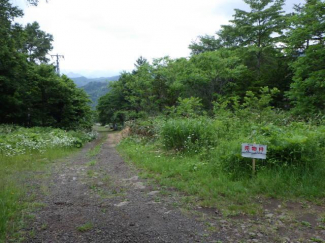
x: 188, y: 134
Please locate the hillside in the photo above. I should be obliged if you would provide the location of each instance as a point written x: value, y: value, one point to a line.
x: 95, y: 90
x: 94, y: 87
x: 82, y: 81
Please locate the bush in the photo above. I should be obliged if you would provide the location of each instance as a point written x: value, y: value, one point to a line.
x: 149, y: 128
x: 296, y: 145
x: 19, y: 140
x: 189, y: 135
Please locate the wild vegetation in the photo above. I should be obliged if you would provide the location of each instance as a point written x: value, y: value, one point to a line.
x: 202, y: 155
x: 260, y: 79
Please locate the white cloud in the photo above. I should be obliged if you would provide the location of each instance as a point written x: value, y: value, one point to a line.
x: 104, y: 37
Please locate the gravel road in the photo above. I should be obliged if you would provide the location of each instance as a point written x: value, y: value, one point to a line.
x: 100, y: 198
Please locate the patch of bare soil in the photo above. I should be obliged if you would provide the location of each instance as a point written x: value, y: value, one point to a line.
x: 102, y: 199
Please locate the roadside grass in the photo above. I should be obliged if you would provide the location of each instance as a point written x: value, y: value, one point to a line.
x: 92, y: 163
x: 90, y: 173
x: 14, y: 200
x: 195, y: 175
x: 85, y: 227
x: 94, y: 151
x: 178, y: 171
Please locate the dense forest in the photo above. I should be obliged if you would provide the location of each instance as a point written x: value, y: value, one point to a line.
x: 31, y: 92
x: 263, y: 47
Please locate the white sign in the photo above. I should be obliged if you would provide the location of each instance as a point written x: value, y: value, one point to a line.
x: 255, y: 151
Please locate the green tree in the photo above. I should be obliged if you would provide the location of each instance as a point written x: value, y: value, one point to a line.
x: 31, y: 94
x: 255, y: 36
x: 37, y: 43
x: 115, y: 101
x: 12, y: 62
x: 258, y: 26
x: 306, y: 42
x: 50, y: 100
x: 211, y: 74
x: 261, y: 28
x: 204, y: 44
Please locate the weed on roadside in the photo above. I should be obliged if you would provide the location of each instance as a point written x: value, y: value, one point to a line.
x: 92, y: 163
x: 85, y: 227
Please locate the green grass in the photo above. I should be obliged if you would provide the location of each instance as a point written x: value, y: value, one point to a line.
x: 101, y: 129
x: 197, y: 175
x: 322, y: 218
x: 90, y: 173
x: 85, y: 227
x: 15, y: 172
x: 92, y: 163
x: 306, y: 224
x: 94, y: 151
x: 178, y: 171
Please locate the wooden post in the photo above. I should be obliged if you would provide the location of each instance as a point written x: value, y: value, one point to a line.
x: 254, y: 163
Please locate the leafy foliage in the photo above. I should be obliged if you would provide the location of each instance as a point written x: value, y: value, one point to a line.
x: 306, y: 40
x: 32, y: 94
x: 37, y: 43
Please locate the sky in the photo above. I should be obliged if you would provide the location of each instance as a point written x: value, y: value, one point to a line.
x: 101, y: 38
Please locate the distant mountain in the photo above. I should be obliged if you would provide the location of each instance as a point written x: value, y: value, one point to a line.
x: 73, y: 75
x: 95, y: 90
x: 103, y: 79
x: 94, y: 87
x: 82, y: 81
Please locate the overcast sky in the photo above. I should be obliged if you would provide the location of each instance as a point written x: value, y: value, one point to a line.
x: 104, y: 37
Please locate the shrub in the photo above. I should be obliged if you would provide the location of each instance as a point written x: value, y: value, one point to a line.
x: 296, y: 145
x: 188, y: 135
x: 187, y: 107
x: 149, y: 128
x: 19, y: 140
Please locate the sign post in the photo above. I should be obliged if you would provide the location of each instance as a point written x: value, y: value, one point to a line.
x: 254, y: 151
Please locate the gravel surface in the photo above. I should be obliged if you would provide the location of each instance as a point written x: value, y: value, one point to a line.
x: 102, y: 199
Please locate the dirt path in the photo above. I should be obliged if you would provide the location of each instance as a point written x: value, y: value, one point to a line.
x: 99, y: 198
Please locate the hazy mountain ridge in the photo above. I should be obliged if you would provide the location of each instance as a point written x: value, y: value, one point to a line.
x: 94, y: 87
x: 82, y: 81
x: 95, y: 90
